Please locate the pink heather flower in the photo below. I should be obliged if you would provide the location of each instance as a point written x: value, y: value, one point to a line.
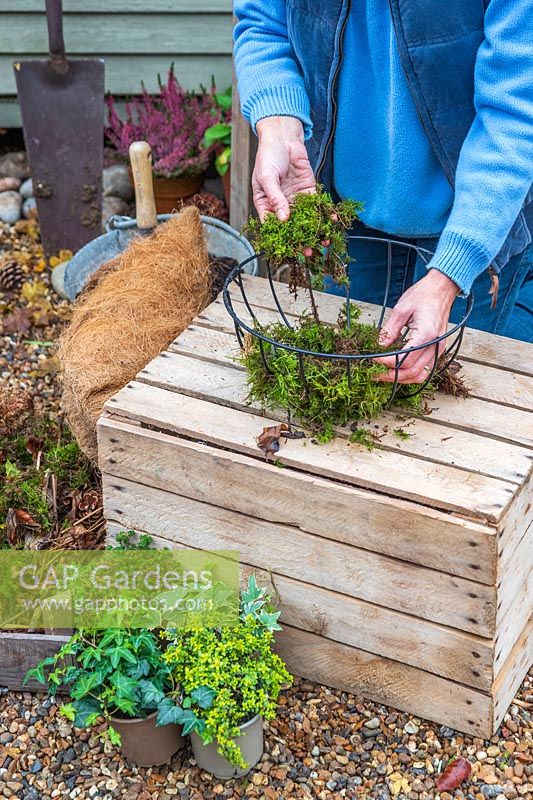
x: 173, y: 123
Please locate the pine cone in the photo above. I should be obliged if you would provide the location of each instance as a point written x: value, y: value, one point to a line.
x: 11, y: 276
x: 16, y: 407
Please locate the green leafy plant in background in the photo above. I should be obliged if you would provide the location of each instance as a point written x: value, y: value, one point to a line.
x: 219, y: 136
x: 109, y: 673
x: 229, y: 675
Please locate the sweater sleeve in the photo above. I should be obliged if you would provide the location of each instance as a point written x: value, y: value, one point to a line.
x: 495, y: 169
x: 270, y: 82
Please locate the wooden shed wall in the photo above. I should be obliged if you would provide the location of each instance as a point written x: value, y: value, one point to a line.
x: 137, y: 38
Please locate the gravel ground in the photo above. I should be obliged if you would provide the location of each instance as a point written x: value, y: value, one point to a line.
x: 323, y: 744
x: 30, y: 319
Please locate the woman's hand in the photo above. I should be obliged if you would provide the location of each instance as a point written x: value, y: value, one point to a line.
x: 425, y: 308
x: 282, y: 167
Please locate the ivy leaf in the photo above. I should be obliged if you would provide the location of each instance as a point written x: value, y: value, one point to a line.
x: 124, y: 686
x: 189, y: 720
x: 140, y: 670
x: 168, y: 712
x: 84, y: 685
x: 116, y: 654
x: 37, y: 673
x: 203, y: 696
x: 112, y: 635
x: 127, y: 705
x: 270, y: 620
x: 87, y: 712
x: 150, y: 693
x: 69, y: 711
x: 91, y: 654
x: 114, y: 736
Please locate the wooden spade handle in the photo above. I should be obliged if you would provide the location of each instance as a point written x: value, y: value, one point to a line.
x: 141, y: 167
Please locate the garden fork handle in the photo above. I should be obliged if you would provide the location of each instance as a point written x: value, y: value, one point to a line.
x: 141, y: 167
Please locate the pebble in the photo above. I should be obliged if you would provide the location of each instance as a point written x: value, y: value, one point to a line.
x: 9, y: 183
x: 372, y: 724
x: 491, y: 790
x: 117, y: 182
x: 14, y: 165
x: 10, y: 205
x: 29, y: 208
x: 112, y: 206
x: 410, y: 727
x: 26, y: 189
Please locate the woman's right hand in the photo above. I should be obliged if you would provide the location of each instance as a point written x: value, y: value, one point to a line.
x: 282, y: 167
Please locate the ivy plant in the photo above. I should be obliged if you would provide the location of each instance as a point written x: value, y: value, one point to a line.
x: 112, y: 672
x: 229, y: 675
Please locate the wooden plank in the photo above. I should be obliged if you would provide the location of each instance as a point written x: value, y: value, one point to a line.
x: 441, y: 650
x: 485, y: 348
x: 121, y: 33
x: 432, y: 484
x: 243, y: 149
x: 221, y: 383
x: 124, y: 74
x: 512, y: 673
x: 385, y: 681
x: 20, y: 652
x: 397, y: 528
x: 288, y: 551
x: 514, y: 594
x: 511, y: 425
x: 123, y: 6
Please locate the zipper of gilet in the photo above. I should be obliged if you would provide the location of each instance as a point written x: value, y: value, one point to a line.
x: 332, y: 95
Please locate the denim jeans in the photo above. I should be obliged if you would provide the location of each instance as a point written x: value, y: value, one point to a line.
x: 512, y: 317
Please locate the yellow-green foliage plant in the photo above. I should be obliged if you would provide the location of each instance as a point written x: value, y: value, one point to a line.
x: 229, y: 675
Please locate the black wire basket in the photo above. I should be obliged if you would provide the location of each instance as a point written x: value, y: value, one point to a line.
x: 446, y: 347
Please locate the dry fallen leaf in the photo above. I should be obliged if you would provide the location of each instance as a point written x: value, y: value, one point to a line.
x: 454, y: 775
x: 18, y: 522
x: 268, y: 440
x: 19, y: 321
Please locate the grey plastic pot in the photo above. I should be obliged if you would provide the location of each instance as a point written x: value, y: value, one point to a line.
x: 251, y: 743
x: 146, y: 744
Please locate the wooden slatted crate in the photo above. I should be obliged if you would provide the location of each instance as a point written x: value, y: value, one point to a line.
x: 405, y: 573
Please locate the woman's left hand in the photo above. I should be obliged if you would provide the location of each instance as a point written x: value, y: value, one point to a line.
x: 425, y: 308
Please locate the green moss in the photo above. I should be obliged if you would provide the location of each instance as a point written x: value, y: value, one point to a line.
x: 45, y: 447
x: 363, y: 437
x: 328, y: 397
x: 316, y: 224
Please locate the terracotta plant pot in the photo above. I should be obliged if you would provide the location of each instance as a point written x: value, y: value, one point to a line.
x: 226, y: 185
x: 146, y: 744
x: 169, y: 191
x: 251, y: 743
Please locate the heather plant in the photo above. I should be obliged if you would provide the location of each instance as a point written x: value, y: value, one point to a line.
x: 173, y: 122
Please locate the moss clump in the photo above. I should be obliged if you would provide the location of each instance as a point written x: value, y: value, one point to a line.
x: 26, y: 460
x: 312, y: 242
x: 327, y: 397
